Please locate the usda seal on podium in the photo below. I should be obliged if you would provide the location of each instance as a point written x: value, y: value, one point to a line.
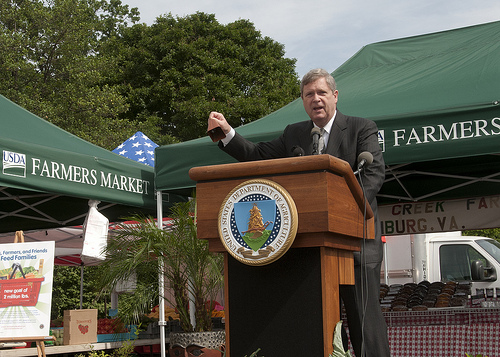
x: 257, y: 222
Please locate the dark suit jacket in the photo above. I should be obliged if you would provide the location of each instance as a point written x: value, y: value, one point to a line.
x: 349, y: 137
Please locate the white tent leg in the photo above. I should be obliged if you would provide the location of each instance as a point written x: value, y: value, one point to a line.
x: 192, y: 310
x: 114, y: 300
x: 81, y: 286
x: 161, y: 282
x: 386, y: 265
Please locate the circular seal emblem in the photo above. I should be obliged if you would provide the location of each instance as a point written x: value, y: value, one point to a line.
x: 257, y: 222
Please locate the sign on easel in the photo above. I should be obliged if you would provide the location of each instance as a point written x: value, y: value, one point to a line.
x: 26, y: 276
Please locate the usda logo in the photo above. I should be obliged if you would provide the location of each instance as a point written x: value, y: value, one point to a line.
x: 381, y: 139
x: 14, y: 164
x: 257, y: 222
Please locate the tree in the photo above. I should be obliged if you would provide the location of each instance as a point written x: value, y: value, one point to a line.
x: 66, y: 290
x: 180, y: 69
x: 53, y: 67
x: 80, y: 65
x: 490, y: 233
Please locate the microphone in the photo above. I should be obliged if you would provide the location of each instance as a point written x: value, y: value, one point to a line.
x: 364, y: 159
x: 315, y: 133
x: 298, y: 151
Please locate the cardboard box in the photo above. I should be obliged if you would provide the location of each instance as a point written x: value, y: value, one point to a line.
x: 80, y: 326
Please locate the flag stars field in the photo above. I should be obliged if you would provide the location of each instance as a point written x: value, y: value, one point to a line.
x: 139, y: 148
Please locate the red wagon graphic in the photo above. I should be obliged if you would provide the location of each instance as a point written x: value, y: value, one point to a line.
x: 19, y: 292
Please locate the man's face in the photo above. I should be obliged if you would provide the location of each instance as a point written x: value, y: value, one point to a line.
x: 319, y: 101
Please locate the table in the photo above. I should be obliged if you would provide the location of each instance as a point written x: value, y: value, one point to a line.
x: 73, y: 349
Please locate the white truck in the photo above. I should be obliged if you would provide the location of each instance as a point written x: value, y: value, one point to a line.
x: 442, y: 257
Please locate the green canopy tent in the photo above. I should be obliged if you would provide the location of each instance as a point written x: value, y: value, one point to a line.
x: 48, y: 175
x: 435, y: 99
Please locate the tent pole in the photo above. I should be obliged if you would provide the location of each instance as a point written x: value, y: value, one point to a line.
x: 386, y: 265
x: 161, y: 281
x: 81, y: 286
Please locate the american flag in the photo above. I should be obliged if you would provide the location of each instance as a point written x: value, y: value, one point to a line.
x: 138, y: 148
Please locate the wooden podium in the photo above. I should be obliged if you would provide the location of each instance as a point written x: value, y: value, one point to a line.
x: 291, y: 306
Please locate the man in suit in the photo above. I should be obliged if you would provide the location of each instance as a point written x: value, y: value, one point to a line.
x: 345, y: 137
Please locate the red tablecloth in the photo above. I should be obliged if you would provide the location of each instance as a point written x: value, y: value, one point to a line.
x: 443, y: 317
x: 443, y: 333
x: 445, y: 341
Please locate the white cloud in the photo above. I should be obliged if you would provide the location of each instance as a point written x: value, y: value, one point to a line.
x: 325, y: 34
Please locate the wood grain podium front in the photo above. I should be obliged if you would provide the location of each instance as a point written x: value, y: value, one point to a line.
x: 291, y: 306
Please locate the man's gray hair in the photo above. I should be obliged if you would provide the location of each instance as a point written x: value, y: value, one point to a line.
x: 315, y: 74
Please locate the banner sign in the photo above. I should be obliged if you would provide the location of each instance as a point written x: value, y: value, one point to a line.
x: 74, y: 174
x: 440, y: 216
x: 26, y: 276
x: 404, y: 138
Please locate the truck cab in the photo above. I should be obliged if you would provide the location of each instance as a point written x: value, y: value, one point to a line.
x: 442, y: 257
x: 465, y: 258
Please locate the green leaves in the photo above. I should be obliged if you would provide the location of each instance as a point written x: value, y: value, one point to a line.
x: 54, y: 66
x: 491, y: 233
x: 191, y: 272
x: 338, y: 347
x: 85, y: 66
x: 180, y: 69
x: 66, y: 290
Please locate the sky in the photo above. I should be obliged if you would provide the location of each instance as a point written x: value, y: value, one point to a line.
x: 327, y: 33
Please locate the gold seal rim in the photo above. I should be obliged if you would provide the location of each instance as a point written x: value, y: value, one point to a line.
x: 293, y: 225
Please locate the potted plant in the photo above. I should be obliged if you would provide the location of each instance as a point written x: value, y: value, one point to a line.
x: 192, y: 274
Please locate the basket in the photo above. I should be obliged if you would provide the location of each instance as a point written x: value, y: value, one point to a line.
x: 19, y: 292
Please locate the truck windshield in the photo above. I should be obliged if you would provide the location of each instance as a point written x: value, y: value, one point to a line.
x: 492, y: 247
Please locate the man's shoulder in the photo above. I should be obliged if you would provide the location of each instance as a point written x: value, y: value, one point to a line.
x: 342, y: 116
x: 349, y: 120
x: 301, y: 124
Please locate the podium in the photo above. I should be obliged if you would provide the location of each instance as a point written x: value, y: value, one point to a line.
x: 289, y: 307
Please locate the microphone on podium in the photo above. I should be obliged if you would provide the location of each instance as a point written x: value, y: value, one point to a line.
x: 315, y: 134
x: 298, y: 151
x: 364, y: 159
